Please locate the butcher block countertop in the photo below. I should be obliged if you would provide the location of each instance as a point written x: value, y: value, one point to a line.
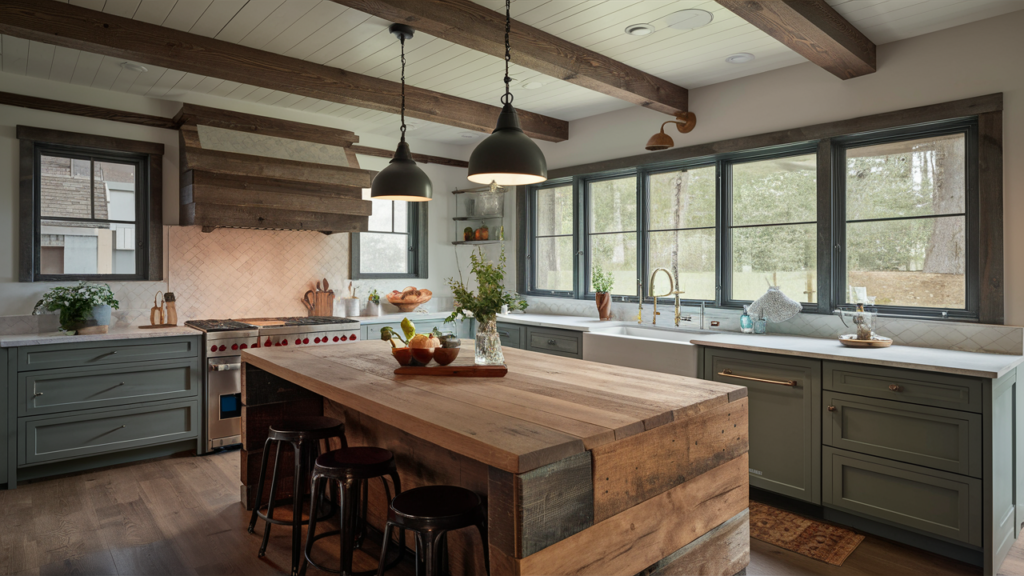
x: 546, y: 409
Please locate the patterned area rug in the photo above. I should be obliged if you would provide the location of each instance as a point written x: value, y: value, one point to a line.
x: 804, y: 536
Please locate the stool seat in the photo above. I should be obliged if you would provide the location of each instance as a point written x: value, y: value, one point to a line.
x: 312, y: 428
x: 362, y: 462
x: 431, y: 512
x: 432, y: 506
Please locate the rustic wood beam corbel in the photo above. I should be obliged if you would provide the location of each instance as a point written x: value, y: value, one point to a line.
x: 468, y: 24
x: 70, y: 26
x: 812, y: 29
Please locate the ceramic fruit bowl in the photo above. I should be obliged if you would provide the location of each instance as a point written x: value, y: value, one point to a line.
x: 445, y: 356
x: 422, y: 356
x: 403, y: 355
x: 409, y: 298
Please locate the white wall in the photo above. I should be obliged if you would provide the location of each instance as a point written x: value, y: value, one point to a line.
x: 18, y: 298
x: 971, y: 60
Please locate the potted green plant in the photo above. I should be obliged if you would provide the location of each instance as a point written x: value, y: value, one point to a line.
x: 484, y: 305
x: 79, y: 306
x: 602, y: 282
x: 373, y: 303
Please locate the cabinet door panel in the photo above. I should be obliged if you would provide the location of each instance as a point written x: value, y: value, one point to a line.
x: 785, y: 421
x: 102, y: 353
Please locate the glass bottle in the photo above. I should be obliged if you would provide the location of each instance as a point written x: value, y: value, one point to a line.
x: 488, y: 345
x: 746, y: 323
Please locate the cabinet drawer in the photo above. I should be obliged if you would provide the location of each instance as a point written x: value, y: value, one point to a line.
x: 784, y: 420
x: 67, y: 389
x: 48, y: 439
x: 558, y: 342
x: 511, y: 335
x: 104, y: 353
x: 947, y: 440
x: 939, y: 390
x: 920, y: 499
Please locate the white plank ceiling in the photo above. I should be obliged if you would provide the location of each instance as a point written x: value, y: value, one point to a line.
x: 324, y: 32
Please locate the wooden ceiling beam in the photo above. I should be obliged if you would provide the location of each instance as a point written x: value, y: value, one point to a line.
x: 195, y: 115
x: 468, y: 24
x: 812, y: 29
x: 78, y: 28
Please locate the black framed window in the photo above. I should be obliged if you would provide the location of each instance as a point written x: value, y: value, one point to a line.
x: 395, y: 244
x: 682, y: 209
x: 892, y: 215
x: 90, y: 214
x: 770, y: 229
x: 553, y: 241
x: 907, y: 203
x: 613, y: 231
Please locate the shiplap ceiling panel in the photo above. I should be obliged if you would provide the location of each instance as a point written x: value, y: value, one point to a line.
x: 325, y: 32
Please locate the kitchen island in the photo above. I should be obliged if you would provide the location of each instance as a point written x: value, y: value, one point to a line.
x: 586, y: 468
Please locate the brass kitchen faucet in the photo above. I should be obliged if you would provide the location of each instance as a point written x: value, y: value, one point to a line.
x: 671, y: 292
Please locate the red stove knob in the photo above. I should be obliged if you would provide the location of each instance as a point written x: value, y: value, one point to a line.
x: 213, y: 348
x: 336, y: 339
x: 297, y: 341
x: 269, y: 342
x: 244, y: 346
x: 305, y: 340
x: 316, y: 340
x: 234, y: 346
x: 278, y: 344
x: 352, y: 337
x: 222, y: 348
x: 257, y: 344
x: 344, y: 338
x: 284, y: 342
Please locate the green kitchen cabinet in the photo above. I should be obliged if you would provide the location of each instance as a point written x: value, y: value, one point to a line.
x: 927, y: 458
x: 511, y: 335
x: 75, y: 406
x: 568, y: 343
x: 784, y: 418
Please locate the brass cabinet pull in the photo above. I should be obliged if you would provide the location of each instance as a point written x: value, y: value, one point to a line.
x: 751, y: 378
x: 894, y: 387
x: 38, y: 393
x: 505, y: 334
x: 552, y: 343
x: 831, y: 408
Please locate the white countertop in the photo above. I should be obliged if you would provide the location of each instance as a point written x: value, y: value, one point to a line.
x: 129, y: 333
x: 977, y: 364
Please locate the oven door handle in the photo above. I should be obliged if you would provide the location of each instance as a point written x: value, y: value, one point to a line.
x: 225, y: 367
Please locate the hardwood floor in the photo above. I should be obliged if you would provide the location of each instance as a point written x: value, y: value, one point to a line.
x: 183, y: 516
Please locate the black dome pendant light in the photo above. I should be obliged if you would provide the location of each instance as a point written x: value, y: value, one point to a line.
x: 402, y: 179
x: 508, y: 156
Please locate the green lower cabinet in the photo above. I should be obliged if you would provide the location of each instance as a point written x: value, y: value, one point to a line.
x: 92, y: 432
x: 567, y: 343
x: 946, y: 440
x: 784, y: 418
x: 919, y: 499
x: 511, y: 335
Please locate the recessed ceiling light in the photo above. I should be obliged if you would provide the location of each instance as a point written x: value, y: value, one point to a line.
x: 740, y: 58
x: 134, y: 67
x: 689, y: 19
x: 640, y: 29
x: 533, y: 85
x: 469, y: 135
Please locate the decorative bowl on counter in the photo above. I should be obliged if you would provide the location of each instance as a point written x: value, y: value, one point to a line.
x: 409, y: 298
x: 403, y: 355
x: 445, y: 356
x: 876, y: 341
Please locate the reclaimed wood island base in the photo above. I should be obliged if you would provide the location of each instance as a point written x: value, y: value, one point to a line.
x: 586, y: 468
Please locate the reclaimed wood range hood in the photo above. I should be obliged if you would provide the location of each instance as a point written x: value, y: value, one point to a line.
x: 308, y: 177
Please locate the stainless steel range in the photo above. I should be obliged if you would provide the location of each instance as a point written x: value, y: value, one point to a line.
x: 224, y: 341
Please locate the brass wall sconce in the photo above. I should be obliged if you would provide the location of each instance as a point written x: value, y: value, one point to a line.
x: 685, y: 121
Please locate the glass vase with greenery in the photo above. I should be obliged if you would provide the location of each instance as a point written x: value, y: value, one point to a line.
x: 485, y: 304
x: 78, y: 303
x: 602, y: 282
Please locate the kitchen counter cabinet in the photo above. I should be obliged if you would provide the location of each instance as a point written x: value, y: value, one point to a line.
x: 926, y: 458
x: 586, y: 468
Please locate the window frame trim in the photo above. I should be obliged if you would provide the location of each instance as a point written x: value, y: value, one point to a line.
x: 972, y: 200
x: 530, y: 237
x: 584, y: 289
x: 417, y: 245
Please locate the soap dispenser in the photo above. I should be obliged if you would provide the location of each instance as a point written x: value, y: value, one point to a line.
x: 746, y: 323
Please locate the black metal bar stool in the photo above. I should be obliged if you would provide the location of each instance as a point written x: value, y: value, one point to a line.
x: 304, y: 436
x: 351, y: 468
x: 431, y: 512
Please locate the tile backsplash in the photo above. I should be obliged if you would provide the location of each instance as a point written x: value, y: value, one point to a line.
x: 944, y: 335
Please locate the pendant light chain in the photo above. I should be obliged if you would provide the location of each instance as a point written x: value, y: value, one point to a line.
x: 507, y: 98
x: 402, y: 39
